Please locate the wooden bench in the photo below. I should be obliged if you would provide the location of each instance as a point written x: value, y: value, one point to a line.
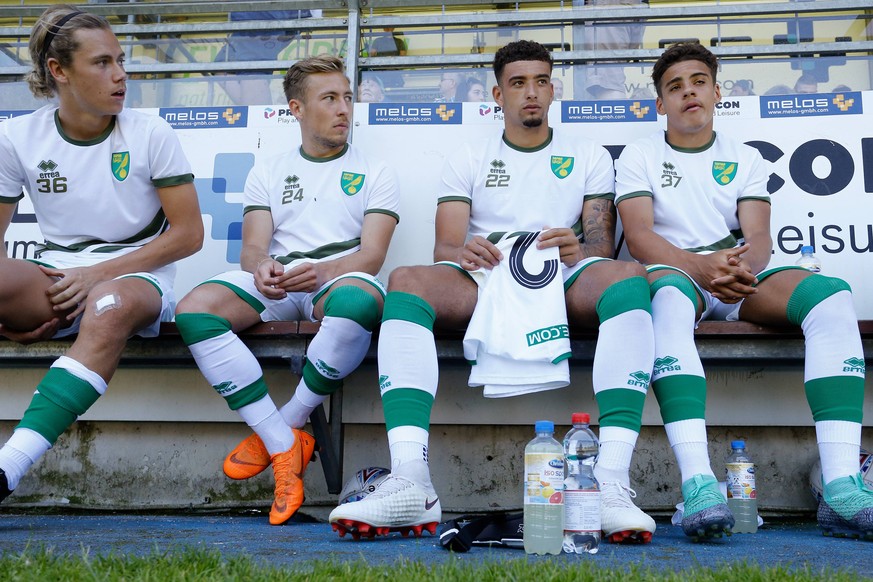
x: 286, y: 342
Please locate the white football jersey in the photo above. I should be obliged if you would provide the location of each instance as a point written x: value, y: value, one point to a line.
x: 695, y: 191
x: 318, y: 205
x: 511, y: 188
x: 92, y: 196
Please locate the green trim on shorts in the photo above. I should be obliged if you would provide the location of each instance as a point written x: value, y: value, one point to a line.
x: 621, y: 407
x: 562, y: 357
x: 809, y: 293
x: 407, y: 407
x: 252, y: 301
x: 728, y: 242
x: 681, y: 397
x: 374, y: 285
x: 836, y: 398
x: 569, y: 282
x: 136, y: 276
x: 456, y: 267
x: 252, y: 393
x: 624, y: 296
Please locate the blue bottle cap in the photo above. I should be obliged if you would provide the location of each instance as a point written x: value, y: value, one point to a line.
x: 806, y: 249
x: 544, y: 426
x: 738, y: 444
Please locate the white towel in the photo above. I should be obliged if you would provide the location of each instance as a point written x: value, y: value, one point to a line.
x: 518, y: 336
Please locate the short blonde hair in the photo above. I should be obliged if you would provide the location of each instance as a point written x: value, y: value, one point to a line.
x: 294, y: 83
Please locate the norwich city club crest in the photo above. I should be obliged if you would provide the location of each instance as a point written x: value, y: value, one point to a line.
x: 561, y: 166
x: 351, y: 183
x: 120, y: 165
x: 724, y: 172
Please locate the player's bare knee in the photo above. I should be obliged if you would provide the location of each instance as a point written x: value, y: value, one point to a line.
x: 406, y: 280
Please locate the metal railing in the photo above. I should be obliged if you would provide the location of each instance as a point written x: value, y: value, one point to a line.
x: 178, y: 42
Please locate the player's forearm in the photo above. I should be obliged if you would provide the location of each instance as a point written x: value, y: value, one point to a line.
x: 758, y: 256
x: 649, y: 248
x: 362, y: 261
x: 171, y: 246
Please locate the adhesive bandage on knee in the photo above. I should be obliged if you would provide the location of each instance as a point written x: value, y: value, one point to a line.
x: 106, y: 303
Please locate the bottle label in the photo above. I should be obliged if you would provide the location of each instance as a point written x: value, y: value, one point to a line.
x: 741, y: 481
x: 582, y: 510
x: 544, y: 478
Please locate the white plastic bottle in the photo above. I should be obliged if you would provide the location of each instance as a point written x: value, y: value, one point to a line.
x: 543, y: 492
x: 808, y: 260
x: 581, y: 489
x: 742, y: 498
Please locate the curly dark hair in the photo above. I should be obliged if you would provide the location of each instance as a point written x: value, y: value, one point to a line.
x: 679, y: 52
x: 520, y: 50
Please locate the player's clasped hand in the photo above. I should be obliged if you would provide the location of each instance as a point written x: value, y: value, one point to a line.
x: 44, y: 332
x: 71, y: 290
x: 480, y: 253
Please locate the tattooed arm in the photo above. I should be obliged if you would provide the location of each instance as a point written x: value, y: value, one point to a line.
x: 598, y: 230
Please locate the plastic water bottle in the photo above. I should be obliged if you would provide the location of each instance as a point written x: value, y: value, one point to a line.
x: 581, y: 490
x: 808, y: 260
x: 742, y: 499
x: 543, y: 492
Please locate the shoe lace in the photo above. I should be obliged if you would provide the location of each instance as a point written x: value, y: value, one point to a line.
x: 702, y: 497
x: 391, y: 485
x: 855, y: 497
x: 616, y: 494
x: 282, y: 470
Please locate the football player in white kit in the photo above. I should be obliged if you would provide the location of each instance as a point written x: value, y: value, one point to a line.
x: 114, y: 199
x: 317, y: 221
x: 695, y: 208
x: 534, y: 179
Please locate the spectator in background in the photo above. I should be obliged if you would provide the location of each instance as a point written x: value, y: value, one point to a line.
x: 257, y: 45
x: 741, y: 88
x: 471, y: 89
x: 371, y: 90
x: 778, y: 90
x: 558, y: 85
x: 388, y: 45
x: 807, y: 83
x: 606, y: 82
x: 841, y: 89
x: 448, y: 88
